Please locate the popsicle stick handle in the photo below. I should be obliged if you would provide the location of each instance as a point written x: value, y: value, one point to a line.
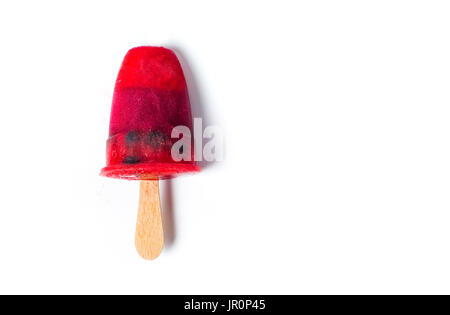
x: 149, y: 231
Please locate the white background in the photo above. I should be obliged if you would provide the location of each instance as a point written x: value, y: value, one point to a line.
x: 336, y: 175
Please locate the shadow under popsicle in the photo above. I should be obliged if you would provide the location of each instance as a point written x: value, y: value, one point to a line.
x: 198, y: 111
x: 168, y: 212
x: 195, y: 97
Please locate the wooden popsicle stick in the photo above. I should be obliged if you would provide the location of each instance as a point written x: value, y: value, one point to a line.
x: 149, y: 231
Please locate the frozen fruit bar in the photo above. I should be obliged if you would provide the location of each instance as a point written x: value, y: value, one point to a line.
x: 150, y: 99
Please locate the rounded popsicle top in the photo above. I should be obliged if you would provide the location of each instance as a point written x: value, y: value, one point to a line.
x: 151, y: 67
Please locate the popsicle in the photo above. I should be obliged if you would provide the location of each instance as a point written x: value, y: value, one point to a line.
x: 150, y: 99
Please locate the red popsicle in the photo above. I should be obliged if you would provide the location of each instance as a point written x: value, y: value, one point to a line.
x: 150, y: 99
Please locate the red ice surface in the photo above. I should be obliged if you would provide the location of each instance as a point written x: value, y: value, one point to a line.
x: 150, y: 99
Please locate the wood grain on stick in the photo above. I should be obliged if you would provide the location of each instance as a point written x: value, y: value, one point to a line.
x: 149, y: 231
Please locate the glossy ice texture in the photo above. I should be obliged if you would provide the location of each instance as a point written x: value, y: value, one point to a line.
x: 150, y: 99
